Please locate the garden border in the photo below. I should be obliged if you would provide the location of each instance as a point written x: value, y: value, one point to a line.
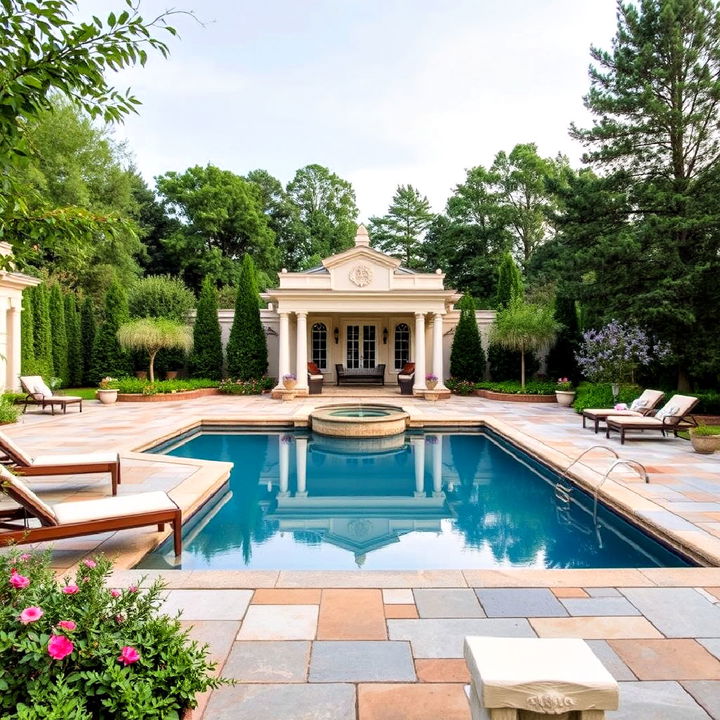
x: 168, y: 397
x: 515, y: 397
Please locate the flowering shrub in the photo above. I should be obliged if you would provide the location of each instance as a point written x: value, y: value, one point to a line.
x: 564, y: 383
x: 613, y: 353
x: 289, y: 376
x: 461, y: 387
x: 78, y: 650
x: 107, y: 383
x: 431, y: 378
x: 246, y: 387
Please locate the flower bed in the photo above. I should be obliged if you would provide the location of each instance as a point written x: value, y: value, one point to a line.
x: 515, y: 397
x: 168, y: 397
x: 78, y: 649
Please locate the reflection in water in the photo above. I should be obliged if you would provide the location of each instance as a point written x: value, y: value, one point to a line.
x: 430, y: 500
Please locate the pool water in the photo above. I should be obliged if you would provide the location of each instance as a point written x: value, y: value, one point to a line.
x: 430, y: 500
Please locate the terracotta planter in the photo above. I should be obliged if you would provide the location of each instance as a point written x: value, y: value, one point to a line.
x: 565, y: 397
x: 106, y: 397
x: 141, y: 374
x: 171, y: 374
x: 705, y: 444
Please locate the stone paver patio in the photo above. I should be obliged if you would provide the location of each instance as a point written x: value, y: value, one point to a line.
x: 388, y: 645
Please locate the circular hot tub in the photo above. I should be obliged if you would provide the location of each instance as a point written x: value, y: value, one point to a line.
x: 359, y: 420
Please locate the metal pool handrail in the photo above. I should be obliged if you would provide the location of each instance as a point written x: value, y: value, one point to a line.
x: 585, y: 452
x: 634, y: 464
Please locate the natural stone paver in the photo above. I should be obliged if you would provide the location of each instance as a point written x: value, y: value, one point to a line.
x: 364, y: 661
x: 569, y: 592
x: 707, y: 693
x: 711, y: 644
x: 444, y: 638
x: 677, y: 612
x: 398, y: 596
x: 443, y: 670
x: 599, y: 606
x: 425, y: 701
x: 268, y: 662
x: 279, y: 622
x: 535, y: 602
x: 400, y: 611
x: 290, y: 702
x: 656, y: 701
x: 450, y: 603
x: 272, y: 596
x: 667, y: 659
x: 611, y: 660
x: 598, y: 592
x: 351, y: 615
x: 201, y: 605
x: 595, y: 628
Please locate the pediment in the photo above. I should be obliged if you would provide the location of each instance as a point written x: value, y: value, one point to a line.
x: 361, y: 254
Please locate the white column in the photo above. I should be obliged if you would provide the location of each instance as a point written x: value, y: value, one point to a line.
x: 14, y: 360
x: 284, y: 461
x: 437, y: 465
x: 438, y: 349
x: 419, y: 352
x: 302, y: 358
x: 283, y: 348
x: 301, y: 466
x: 419, y: 452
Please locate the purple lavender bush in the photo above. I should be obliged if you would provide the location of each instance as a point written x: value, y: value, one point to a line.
x: 613, y: 353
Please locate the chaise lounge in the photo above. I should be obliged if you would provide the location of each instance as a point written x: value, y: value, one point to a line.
x: 80, y: 463
x: 82, y: 517
x: 641, y: 406
x: 360, y: 375
x: 38, y: 393
x: 673, y: 416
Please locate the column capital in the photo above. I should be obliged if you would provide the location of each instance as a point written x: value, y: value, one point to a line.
x: 419, y: 314
x: 301, y: 313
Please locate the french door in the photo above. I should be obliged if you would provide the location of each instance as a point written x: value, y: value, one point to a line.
x: 360, y: 346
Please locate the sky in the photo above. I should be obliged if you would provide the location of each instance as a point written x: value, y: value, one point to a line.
x: 383, y: 92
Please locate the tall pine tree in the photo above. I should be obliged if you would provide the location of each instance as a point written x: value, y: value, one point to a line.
x: 247, y: 346
x: 42, y: 336
x: 206, y: 360
x: 88, y: 330
x: 27, y: 332
x: 108, y: 358
x: 59, y: 334
x: 467, y: 358
x: 74, y: 354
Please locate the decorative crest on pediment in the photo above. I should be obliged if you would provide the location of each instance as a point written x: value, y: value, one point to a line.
x: 360, y: 275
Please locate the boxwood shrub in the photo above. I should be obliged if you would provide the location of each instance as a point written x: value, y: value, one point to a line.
x: 599, y: 395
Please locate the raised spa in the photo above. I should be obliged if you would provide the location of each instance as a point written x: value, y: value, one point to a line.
x: 359, y: 421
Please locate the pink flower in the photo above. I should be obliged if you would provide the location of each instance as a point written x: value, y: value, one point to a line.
x: 133, y: 588
x: 59, y: 647
x: 119, y: 619
x: 19, y: 581
x: 24, y: 557
x: 114, y: 592
x: 129, y: 655
x: 31, y: 614
x: 89, y: 563
x: 67, y: 624
x: 71, y: 589
x: 621, y: 406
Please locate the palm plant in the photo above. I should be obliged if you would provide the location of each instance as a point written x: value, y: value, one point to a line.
x: 525, y: 327
x: 153, y: 335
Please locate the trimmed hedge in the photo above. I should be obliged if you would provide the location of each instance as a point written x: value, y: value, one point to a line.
x: 513, y: 387
x: 138, y: 386
x: 599, y: 395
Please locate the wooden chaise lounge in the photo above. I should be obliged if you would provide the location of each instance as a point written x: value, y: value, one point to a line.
x: 641, y: 406
x: 360, y: 375
x: 38, y: 393
x: 36, y: 521
x: 22, y: 464
x: 673, y: 416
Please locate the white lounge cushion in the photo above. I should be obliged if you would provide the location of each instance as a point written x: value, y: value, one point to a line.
x: 79, y: 511
x: 63, y: 398
x: 607, y: 412
x: 315, y: 377
x: 77, y: 459
x: 629, y: 421
x: 404, y: 377
x: 7, y: 444
x: 24, y: 496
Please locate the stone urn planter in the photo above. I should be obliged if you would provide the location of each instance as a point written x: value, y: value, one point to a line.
x: 289, y: 382
x: 106, y: 396
x: 565, y: 397
x: 705, y: 440
x: 431, y: 384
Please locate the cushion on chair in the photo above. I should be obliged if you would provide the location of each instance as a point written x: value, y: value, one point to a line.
x: 42, y: 388
x: 25, y: 497
x: 316, y: 377
x: 667, y: 411
x: 638, y: 404
x: 313, y: 369
x: 15, y: 453
x: 77, y: 459
x: 408, y: 368
x: 404, y: 377
x: 79, y: 511
x: 64, y: 398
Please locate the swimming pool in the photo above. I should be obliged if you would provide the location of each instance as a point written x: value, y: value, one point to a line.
x: 420, y: 500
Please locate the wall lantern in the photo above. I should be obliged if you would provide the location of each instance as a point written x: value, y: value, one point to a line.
x: 336, y: 335
x: 385, y: 334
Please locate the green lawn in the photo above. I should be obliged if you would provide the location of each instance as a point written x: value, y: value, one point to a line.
x: 84, y: 393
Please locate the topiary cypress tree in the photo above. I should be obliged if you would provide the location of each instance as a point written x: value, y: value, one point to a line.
x: 108, y: 358
x: 27, y: 328
x: 561, y: 360
x: 247, y: 347
x: 87, y: 337
x: 509, y: 284
x: 59, y: 335
x: 467, y: 358
x: 75, y: 353
x: 42, y: 337
x: 207, y: 357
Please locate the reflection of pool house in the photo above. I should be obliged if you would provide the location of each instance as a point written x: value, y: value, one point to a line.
x: 361, y: 309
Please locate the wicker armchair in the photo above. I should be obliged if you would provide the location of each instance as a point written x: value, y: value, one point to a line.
x: 315, y: 379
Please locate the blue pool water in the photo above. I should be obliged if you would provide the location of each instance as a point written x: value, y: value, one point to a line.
x: 416, y: 501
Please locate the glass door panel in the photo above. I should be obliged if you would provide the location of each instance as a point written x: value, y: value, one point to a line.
x: 352, y: 333
x: 368, y: 346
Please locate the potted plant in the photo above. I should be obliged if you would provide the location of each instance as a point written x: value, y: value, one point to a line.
x: 105, y: 393
x: 289, y: 381
x: 705, y: 439
x: 74, y: 643
x: 431, y: 381
x: 564, y: 394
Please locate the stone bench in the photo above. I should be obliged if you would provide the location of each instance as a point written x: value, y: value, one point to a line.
x: 534, y: 678
x: 362, y: 375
